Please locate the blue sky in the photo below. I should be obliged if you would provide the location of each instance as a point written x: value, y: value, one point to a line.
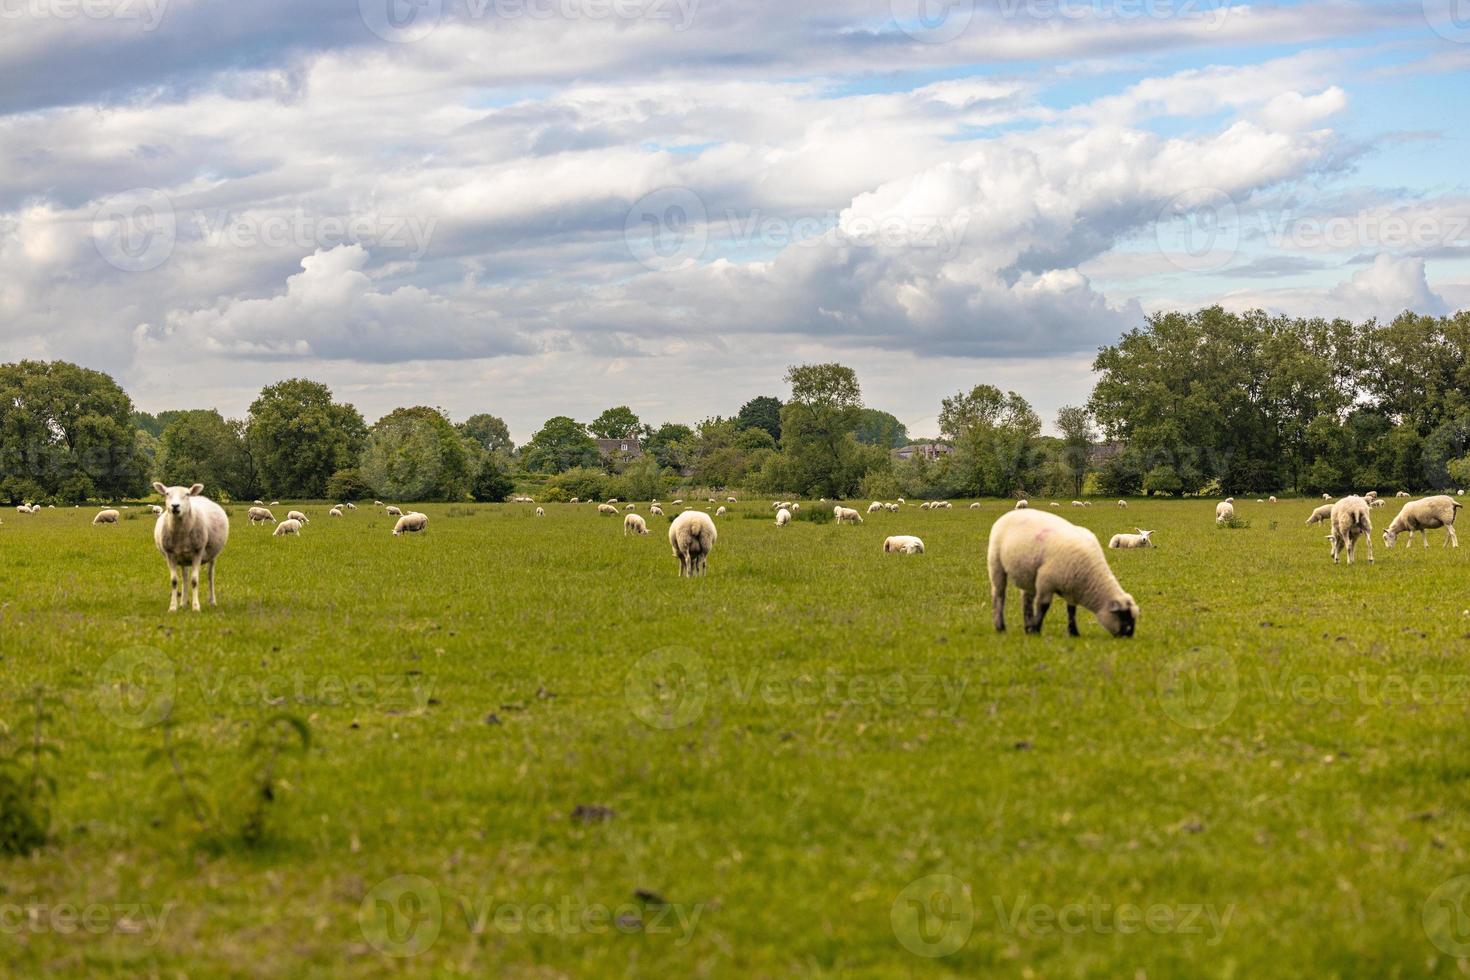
x: 664, y: 202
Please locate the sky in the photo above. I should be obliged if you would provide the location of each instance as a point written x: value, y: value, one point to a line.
x: 546, y: 207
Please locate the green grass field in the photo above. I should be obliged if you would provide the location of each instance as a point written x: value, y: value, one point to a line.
x: 537, y: 752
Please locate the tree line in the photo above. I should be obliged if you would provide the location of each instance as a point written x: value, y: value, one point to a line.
x: 1188, y: 403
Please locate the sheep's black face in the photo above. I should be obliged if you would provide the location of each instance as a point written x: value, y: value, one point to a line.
x: 1120, y: 618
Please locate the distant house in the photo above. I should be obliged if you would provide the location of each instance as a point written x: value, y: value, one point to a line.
x: 1100, y: 453
x: 929, y: 450
x: 628, y: 447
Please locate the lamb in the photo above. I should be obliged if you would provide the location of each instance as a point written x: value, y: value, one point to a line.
x: 540, y: 511
x: 1047, y: 555
x: 392, y: 511
x: 1320, y: 514
x: 1143, y: 539
x: 289, y: 526
x: 846, y: 515
x: 607, y: 510
x: 692, y: 536
x: 905, y: 544
x: 192, y: 531
x: 296, y: 515
x: 720, y: 513
x: 795, y: 508
x: 260, y: 515
x: 633, y: 524
x: 874, y: 507
x: 1350, y: 521
x: 1328, y: 496
x: 783, y: 517
x: 1224, y: 511
x: 1421, y: 516
x: 411, y: 523
x: 106, y: 517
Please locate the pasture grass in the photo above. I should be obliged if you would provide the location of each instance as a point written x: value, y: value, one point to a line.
x: 537, y: 752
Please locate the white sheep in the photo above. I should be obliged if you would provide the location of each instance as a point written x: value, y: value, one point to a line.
x: 795, y: 508
x: 633, y: 524
x: 902, y: 501
x: 905, y: 544
x: 376, y: 503
x: 1271, y: 500
x: 296, y: 515
x: 260, y: 515
x: 846, y: 515
x: 1321, y: 514
x: 656, y: 509
x: 1122, y: 504
x: 678, y: 502
x: 891, y: 508
x: 1401, y: 493
x: 289, y: 526
x: 192, y: 531
x: 975, y: 505
x: 1045, y: 556
x: 631, y: 507
x: 275, y: 503
x: 1076, y: 503
x: 925, y: 505
x: 1351, y: 520
x: 874, y: 507
x: 1143, y: 539
x: 1224, y: 511
x: 721, y: 512
x: 335, y: 512
x: 1422, y: 516
x: 540, y: 511
x: 783, y: 517
x: 692, y: 536
x: 1375, y: 502
x: 731, y: 500
x: 1328, y: 496
x: 106, y: 517
x: 350, y: 505
x: 392, y: 511
x: 1056, y: 505
x: 411, y: 523
x: 155, y: 510
x: 607, y: 510
x: 1022, y: 505
x: 576, y: 500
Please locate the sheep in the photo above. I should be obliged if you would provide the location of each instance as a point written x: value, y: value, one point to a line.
x: 1076, y: 503
x: 891, y: 508
x: 411, y: 523
x: 376, y: 503
x: 260, y: 515
x: 540, y: 511
x: 576, y: 500
x: 607, y: 510
x: 904, y: 544
x: 1022, y: 504
x: 1260, y: 501
x: 692, y: 536
x: 192, y: 531
x: 1350, y: 521
x: 656, y: 509
x: 612, y: 500
x: 631, y: 507
x: 783, y: 517
x: 902, y: 501
x: 1047, y: 555
x: 155, y: 510
x: 874, y: 507
x: 296, y: 515
x: 1328, y: 496
x: 1375, y: 502
x: 392, y: 511
x: 335, y: 512
x: 1271, y: 500
x: 1371, y: 494
x: 975, y: 505
x: 633, y: 524
x: 1320, y: 514
x: 678, y: 502
x: 350, y: 505
x: 925, y: 506
x: 289, y: 526
x: 731, y: 500
x: 1401, y: 493
x: 1422, y: 515
x: 1230, y: 500
x: 1224, y: 511
x: 1122, y: 505
x: 846, y: 515
x: 944, y: 505
x: 1143, y: 539
x: 275, y: 503
x: 106, y: 517
x: 1056, y: 505
x: 795, y: 508
x: 260, y: 503
x: 721, y: 512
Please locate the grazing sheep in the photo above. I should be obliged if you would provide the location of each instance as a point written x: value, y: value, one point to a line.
x: 1375, y: 502
x: 1350, y: 521
x: 1328, y: 496
x: 1259, y: 500
x: 1046, y: 555
x: 106, y: 517
x: 846, y: 515
x: 720, y: 513
x: 1022, y: 504
x: 350, y: 506
x: 260, y: 503
x: 731, y: 500
x: 692, y: 536
x: 656, y: 509
x: 296, y: 515
x: 1401, y: 493
x: 891, y: 508
x: 1143, y: 539
x: 607, y: 510
x: 905, y: 544
x: 925, y: 506
x: 1320, y: 514
x: 335, y: 512
x: 392, y: 511
x: 1422, y: 516
x: 275, y: 503
x: 1076, y: 503
x: 191, y: 531
x: 631, y: 507
x: 678, y: 502
x: 540, y: 511
x: 376, y: 503
x: 874, y: 507
x: 576, y: 500
x: 289, y: 526
x: 975, y: 505
x: 1271, y: 500
x: 783, y: 517
x: 1371, y: 494
x: 155, y: 510
x: 633, y: 524
x: 1224, y: 511
x: 795, y: 508
x: 944, y: 505
x: 260, y: 515
x: 411, y: 523
x: 1122, y: 504
x: 1055, y: 504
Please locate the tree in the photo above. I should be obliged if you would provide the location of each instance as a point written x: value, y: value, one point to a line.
x: 489, y: 433
x: 417, y: 454
x: 298, y: 437
x: 672, y: 446
x: 560, y: 445
x: 615, y: 423
x: 817, y: 423
x: 492, y: 483
x: 1075, y: 425
x: 995, y: 434
x: 763, y: 412
x: 877, y: 428
x: 203, y: 447
x: 66, y: 434
x: 348, y: 485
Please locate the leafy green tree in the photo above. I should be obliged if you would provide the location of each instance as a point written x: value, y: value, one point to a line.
x: 417, y: 454
x: 298, y: 437
x: 817, y: 423
x: 995, y: 435
x: 66, y: 434
x: 493, y: 483
x: 763, y: 413
x: 1075, y: 452
x: 348, y: 485
x: 560, y: 445
x: 203, y: 447
x: 877, y: 428
x: 489, y: 433
x: 615, y: 423
x: 673, y: 446
x: 582, y: 482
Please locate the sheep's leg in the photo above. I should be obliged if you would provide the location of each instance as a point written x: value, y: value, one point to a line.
x: 194, y: 583
x: 1336, y: 548
x: 1072, y: 620
x: 1368, y: 537
x: 1424, y: 536
x: 173, y: 584
x: 1450, y: 540
x: 1028, y: 612
x: 212, y: 600
x: 998, y: 602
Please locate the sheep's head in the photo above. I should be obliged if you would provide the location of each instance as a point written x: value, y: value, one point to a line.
x: 1390, y: 536
x: 1147, y: 536
x: 1120, y: 616
x: 178, y: 501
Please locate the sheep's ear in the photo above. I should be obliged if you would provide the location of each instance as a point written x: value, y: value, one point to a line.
x: 161, y: 488
x: 196, y: 489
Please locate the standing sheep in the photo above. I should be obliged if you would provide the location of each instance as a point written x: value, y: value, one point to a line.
x: 1048, y: 556
x: 191, y: 531
x: 1122, y: 504
x: 287, y: 527
x: 874, y: 507
x: 1022, y: 504
x: 607, y: 510
x: 633, y: 524
x: 1321, y: 514
x: 350, y: 505
x: 155, y: 510
x: 905, y: 544
x: 540, y: 511
x: 335, y: 512
x: 411, y: 523
x: 392, y: 511
x: 1422, y: 516
x: 296, y: 515
x: 846, y: 515
x: 656, y: 509
x: 783, y: 517
x: 106, y: 517
x: 1351, y: 520
x: 721, y: 512
x: 1271, y: 500
x: 1224, y: 511
x: 1143, y: 539
x: 260, y: 515
x: 692, y: 536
